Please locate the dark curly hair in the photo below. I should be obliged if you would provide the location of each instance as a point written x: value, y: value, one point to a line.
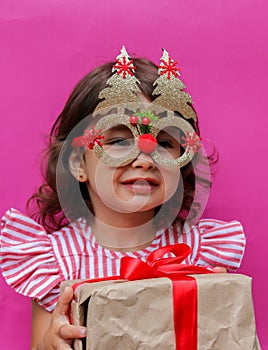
x: 83, y: 100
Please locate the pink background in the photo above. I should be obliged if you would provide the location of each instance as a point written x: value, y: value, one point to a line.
x: 47, y: 45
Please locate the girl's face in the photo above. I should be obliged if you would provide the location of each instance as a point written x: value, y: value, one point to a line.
x: 140, y: 186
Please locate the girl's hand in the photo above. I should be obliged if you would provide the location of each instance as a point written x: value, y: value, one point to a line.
x: 60, y: 333
x: 219, y: 269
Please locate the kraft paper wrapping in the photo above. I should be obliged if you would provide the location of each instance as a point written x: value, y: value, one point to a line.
x: 139, y: 314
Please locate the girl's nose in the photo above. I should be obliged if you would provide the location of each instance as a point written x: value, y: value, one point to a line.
x: 143, y: 161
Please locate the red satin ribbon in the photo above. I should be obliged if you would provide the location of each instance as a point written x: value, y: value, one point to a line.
x: 184, y: 286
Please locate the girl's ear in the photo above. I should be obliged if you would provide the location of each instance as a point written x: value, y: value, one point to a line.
x: 77, y: 165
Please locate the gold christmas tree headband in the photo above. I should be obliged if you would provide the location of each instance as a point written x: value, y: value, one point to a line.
x: 123, y: 92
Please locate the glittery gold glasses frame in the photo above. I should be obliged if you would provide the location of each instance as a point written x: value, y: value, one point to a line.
x: 170, y: 121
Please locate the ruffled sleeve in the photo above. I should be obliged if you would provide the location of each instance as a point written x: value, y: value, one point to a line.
x: 26, y: 257
x: 219, y: 244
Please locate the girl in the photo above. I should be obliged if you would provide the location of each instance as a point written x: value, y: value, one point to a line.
x: 121, y: 179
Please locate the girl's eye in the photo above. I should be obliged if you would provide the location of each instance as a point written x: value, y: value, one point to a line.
x: 165, y: 143
x: 120, y: 141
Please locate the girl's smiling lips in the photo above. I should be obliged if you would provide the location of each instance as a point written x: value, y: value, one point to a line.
x: 141, y: 185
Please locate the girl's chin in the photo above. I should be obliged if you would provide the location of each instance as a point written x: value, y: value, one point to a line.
x: 136, y: 204
x: 139, y: 205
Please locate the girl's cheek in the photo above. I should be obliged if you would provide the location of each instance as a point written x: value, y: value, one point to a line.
x: 172, y: 180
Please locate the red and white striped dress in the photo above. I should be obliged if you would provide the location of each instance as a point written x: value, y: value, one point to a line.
x: 34, y: 263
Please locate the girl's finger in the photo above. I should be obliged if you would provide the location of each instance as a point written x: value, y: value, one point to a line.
x: 219, y: 269
x: 64, y: 346
x: 64, y: 301
x: 67, y: 331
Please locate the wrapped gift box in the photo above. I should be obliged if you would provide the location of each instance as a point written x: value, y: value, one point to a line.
x: 139, y: 314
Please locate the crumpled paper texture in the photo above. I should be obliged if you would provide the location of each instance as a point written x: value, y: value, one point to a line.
x: 225, y: 313
x: 138, y: 315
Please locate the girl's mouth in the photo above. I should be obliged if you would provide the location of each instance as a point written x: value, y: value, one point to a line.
x: 141, y: 185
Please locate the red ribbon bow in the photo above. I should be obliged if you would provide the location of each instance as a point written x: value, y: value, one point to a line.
x: 158, y: 266
x: 184, y: 286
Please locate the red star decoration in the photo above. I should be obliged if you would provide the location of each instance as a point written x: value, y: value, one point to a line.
x: 124, y: 67
x: 90, y: 138
x: 169, y: 68
x: 192, y: 142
